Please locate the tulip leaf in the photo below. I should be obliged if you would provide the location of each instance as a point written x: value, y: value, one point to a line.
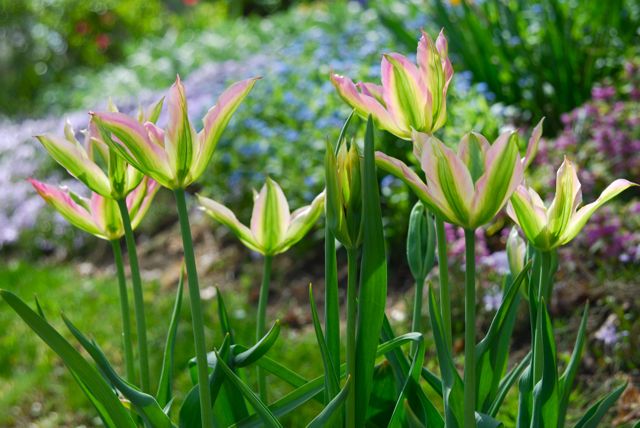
x: 145, y: 405
x: 254, y: 353
x: 99, y: 392
x: 261, y: 409
x: 373, y: 281
x: 332, y: 385
x: 594, y: 415
x: 486, y: 421
x: 492, y: 353
x: 164, y: 393
x: 331, y: 301
x: 324, y: 418
x: 567, y: 378
x: 398, y: 415
x: 452, y: 386
x: 506, y: 384
x: 224, y: 316
x: 546, y: 394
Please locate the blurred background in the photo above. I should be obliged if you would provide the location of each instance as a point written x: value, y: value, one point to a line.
x: 574, y: 62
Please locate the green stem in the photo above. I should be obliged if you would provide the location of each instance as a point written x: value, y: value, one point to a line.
x: 197, y: 319
x: 443, y: 268
x: 541, y: 298
x: 352, y: 312
x: 416, y: 322
x: 470, y: 330
x: 138, y: 301
x: 124, y: 309
x: 261, y: 322
x: 331, y: 303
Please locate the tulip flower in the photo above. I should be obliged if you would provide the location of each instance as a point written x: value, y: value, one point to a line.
x: 548, y: 228
x: 273, y: 228
x: 412, y: 97
x: 344, y: 194
x: 176, y: 156
x: 80, y: 159
x: 98, y: 215
x: 516, y: 252
x: 468, y: 188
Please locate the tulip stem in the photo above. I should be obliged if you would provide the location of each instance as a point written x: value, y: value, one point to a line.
x: 261, y: 322
x: 331, y: 303
x: 124, y: 308
x: 352, y: 308
x: 138, y: 300
x: 470, y: 330
x: 197, y: 319
x: 443, y: 268
x: 543, y: 294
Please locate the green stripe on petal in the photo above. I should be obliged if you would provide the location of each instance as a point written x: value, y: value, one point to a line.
x: 215, y: 121
x: 472, y: 150
x: 225, y: 216
x: 503, y: 174
x: 403, y: 91
x: 139, y: 201
x: 180, y: 137
x: 532, y: 219
x: 75, y: 159
x: 107, y: 216
x: 270, y: 217
x: 448, y: 178
x: 568, y: 197
x: 581, y: 217
x: 302, y: 220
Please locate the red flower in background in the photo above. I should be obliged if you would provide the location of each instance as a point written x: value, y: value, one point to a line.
x: 103, y: 41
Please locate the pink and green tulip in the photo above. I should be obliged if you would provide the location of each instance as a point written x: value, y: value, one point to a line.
x: 176, y: 156
x: 548, y: 228
x: 274, y: 229
x: 467, y: 188
x: 516, y: 252
x: 98, y: 215
x: 412, y: 97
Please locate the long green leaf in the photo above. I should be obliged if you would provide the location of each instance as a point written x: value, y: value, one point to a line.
x: 594, y: 415
x: 506, y: 384
x: 546, y: 394
x: 325, y: 416
x: 566, y: 380
x: 261, y: 409
x: 332, y: 379
x: 144, y: 404
x: 373, y: 280
x: 256, y: 352
x: 164, y: 393
x: 93, y: 385
x: 225, y: 324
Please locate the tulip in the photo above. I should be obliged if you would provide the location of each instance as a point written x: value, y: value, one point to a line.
x: 98, y: 215
x: 548, y: 228
x: 273, y: 228
x: 176, y: 156
x: 412, y: 97
x: 80, y: 160
x: 468, y: 188
x: 344, y: 194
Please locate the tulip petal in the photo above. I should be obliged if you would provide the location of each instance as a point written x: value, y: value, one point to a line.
x: 72, y: 211
x: 527, y: 214
x: 366, y: 105
x: 106, y: 215
x: 472, y: 150
x: 75, y: 159
x: 139, y: 201
x: 225, y: 216
x: 443, y: 49
x: 132, y: 141
x: 404, y: 92
x: 447, y: 177
x: 302, y: 220
x: 216, y: 120
x: 565, y: 203
x: 581, y: 217
x: 371, y: 90
x: 532, y: 146
x: 503, y: 173
x: 400, y: 170
x: 270, y: 218
x: 180, y: 137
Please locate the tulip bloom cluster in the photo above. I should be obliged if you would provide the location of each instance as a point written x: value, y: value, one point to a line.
x: 467, y: 187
